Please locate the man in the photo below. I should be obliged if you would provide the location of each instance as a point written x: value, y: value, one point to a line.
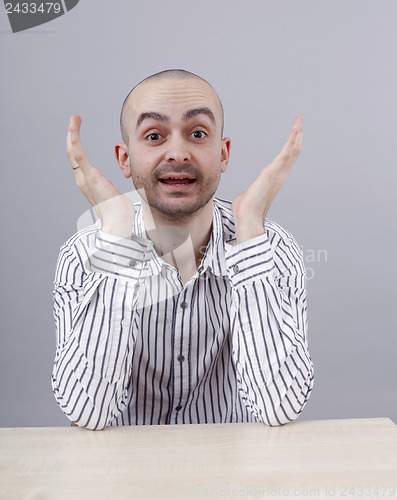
x: 182, y: 308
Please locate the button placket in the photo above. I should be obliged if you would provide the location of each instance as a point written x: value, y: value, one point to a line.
x: 181, y: 343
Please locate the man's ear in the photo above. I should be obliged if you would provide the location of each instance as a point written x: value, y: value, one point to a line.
x: 225, y: 153
x: 123, y: 157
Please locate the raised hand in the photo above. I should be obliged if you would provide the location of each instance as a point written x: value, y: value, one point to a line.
x: 251, y: 206
x: 116, y: 211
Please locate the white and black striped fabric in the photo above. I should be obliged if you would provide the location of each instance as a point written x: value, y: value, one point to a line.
x: 136, y: 346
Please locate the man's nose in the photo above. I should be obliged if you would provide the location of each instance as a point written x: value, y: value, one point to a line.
x: 177, y: 150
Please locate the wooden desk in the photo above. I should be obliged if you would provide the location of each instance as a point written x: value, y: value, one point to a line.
x: 305, y: 459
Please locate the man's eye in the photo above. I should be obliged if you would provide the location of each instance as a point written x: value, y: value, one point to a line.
x: 153, y: 137
x: 199, y: 134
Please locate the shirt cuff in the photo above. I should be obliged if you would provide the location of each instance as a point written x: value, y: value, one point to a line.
x: 126, y: 257
x: 250, y: 259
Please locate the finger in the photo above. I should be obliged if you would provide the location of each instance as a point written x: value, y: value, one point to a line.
x: 284, y: 161
x: 293, y: 145
x: 300, y: 130
x: 298, y: 121
x: 297, y: 129
x: 73, y: 121
x: 74, y: 147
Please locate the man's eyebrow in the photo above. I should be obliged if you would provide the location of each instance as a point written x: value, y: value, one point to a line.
x: 198, y: 111
x: 153, y: 115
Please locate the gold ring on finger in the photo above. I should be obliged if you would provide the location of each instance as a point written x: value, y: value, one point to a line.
x: 76, y: 166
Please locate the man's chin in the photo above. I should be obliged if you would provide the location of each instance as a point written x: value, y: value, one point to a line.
x: 178, y: 208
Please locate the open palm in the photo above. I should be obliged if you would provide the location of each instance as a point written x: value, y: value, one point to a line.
x: 116, y: 211
x: 251, y: 205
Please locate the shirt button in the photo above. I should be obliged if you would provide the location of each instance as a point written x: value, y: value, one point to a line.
x: 132, y: 263
x: 236, y: 269
x: 179, y: 407
x: 184, y: 305
x: 124, y: 322
x: 181, y: 358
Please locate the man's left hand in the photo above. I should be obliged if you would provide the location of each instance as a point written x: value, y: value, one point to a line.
x: 251, y: 206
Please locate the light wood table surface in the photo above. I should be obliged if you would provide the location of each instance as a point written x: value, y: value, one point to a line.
x: 319, y: 459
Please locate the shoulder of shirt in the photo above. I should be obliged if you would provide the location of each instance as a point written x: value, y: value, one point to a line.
x: 82, y: 234
x: 275, y: 232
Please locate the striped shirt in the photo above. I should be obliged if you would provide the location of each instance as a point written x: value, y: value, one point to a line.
x: 137, y: 346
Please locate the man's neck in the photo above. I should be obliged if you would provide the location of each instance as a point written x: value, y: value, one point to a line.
x: 181, y: 243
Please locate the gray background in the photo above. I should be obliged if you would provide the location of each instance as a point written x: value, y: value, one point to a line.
x: 334, y: 62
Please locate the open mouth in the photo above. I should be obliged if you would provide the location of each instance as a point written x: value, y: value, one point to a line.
x: 177, y: 181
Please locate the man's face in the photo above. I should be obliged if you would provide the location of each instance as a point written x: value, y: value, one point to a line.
x: 176, y: 151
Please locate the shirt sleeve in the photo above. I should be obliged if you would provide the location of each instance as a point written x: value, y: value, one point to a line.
x: 96, y: 285
x: 269, y: 326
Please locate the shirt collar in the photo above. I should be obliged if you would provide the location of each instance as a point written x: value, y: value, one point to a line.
x: 214, y: 256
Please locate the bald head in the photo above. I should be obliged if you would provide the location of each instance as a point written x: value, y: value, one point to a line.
x: 156, y: 80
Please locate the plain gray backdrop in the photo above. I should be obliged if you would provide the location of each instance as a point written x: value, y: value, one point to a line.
x: 334, y: 62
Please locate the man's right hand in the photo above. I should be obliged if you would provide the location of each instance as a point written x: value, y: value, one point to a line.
x: 116, y: 211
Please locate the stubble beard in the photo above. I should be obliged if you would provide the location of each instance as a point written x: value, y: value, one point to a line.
x: 177, y: 207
